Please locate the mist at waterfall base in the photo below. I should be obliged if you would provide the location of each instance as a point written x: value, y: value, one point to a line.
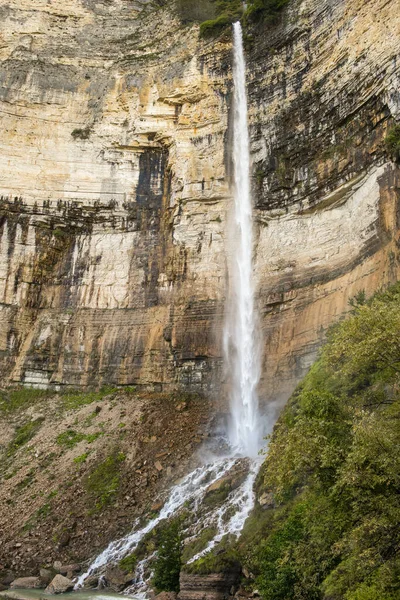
x: 242, y: 357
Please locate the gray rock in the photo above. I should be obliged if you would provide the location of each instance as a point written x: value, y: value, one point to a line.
x: 59, y: 585
x: 6, y: 577
x: 45, y: 576
x: 91, y: 582
x: 26, y: 583
x: 57, y: 565
x: 73, y: 568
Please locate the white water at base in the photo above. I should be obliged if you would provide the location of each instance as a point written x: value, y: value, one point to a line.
x: 241, y: 347
x: 242, y: 358
x: 193, y: 487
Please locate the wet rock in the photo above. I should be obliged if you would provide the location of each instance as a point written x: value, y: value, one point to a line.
x: 117, y: 579
x: 91, y: 582
x: 73, y: 568
x: 26, y: 583
x: 166, y: 596
x: 59, y: 585
x: 157, y: 506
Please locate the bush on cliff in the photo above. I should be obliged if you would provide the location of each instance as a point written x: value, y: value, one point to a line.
x: 392, y: 142
x: 266, y: 10
x: 167, y: 566
x: 227, y: 11
x: 333, y: 467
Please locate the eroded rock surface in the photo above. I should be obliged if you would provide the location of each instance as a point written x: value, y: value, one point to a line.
x: 115, y: 184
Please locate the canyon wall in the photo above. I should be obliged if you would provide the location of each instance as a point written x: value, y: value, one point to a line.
x: 115, y: 183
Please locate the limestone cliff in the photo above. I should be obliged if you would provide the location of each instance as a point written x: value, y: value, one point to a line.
x: 114, y: 186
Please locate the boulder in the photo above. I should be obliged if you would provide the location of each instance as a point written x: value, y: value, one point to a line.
x: 91, y: 582
x: 6, y: 577
x: 57, y: 565
x: 74, y: 568
x: 117, y: 579
x: 59, y: 585
x: 26, y: 583
x: 45, y: 576
x: 266, y: 500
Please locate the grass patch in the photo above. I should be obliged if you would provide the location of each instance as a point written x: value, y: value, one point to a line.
x: 70, y: 438
x: 78, y: 460
x: 198, y: 544
x: 23, y: 434
x: 74, y: 400
x: 12, y: 400
x: 223, y: 557
x: 103, y: 482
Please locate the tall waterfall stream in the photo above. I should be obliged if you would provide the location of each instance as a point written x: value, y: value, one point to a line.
x: 242, y: 359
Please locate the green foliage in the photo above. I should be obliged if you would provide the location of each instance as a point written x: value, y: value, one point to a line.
x: 333, y: 465
x: 70, y: 438
x: 227, y: 11
x: 223, y: 557
x: 128, y: 563
x: 81, y: 134
x: 198, y: 544
x: 392, y: 142
x: 23, y: 434
x: 81, y: 458
x: 103, y: 482
x: 74, y: 400
x: 167, y: 565
x: 13, y: 399
x: 267, y: 10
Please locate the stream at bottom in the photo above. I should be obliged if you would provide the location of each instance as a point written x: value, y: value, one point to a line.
x: 230, y: 477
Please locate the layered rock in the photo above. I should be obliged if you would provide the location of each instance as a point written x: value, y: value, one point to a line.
x: 115, y: 186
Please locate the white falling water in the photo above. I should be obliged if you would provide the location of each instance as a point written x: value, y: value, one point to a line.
x: 242, y: 352
x: 243, y: 360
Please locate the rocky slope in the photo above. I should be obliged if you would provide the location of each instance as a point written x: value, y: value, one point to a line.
x: 115, y: 183
x: 78, y: 469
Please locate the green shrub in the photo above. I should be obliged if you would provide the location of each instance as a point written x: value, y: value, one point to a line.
x: 198, y: 544
x: 103, y: 482
x: 333, y: 465
x: 128, y: 563
x: 167, y: 565
x: 69, y: 438
x: 392, y: 142
x: 81, y: 458
x: 227, y: 11
x: 81, y: 134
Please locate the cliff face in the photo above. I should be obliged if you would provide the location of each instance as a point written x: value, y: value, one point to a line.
x: 115, y: 184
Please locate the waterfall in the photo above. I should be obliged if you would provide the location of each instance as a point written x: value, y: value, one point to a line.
x: 241, y: 349
x: 242, y: 358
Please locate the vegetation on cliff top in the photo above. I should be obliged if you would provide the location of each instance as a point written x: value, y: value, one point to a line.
x: 333, y: 468
x: 216, y: 15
